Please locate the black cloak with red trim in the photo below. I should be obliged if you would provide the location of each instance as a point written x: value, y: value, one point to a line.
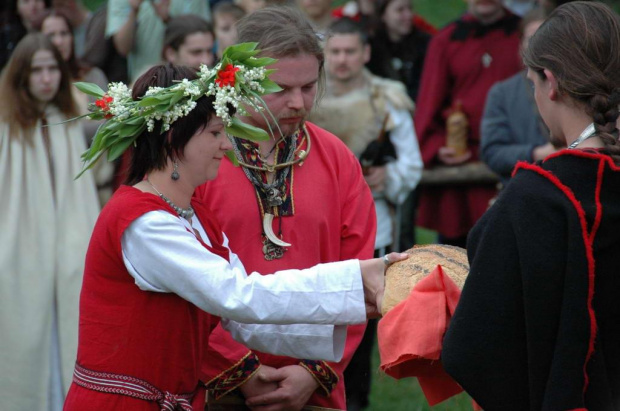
x: 538, y: 323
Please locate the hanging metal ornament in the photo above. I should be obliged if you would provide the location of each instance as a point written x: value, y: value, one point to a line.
x: 272, y: 251
x: 274, y: 198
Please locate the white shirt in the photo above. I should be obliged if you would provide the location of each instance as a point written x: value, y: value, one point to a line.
x: 163, y: 256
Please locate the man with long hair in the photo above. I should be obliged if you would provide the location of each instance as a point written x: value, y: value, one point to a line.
x: 298, y: 200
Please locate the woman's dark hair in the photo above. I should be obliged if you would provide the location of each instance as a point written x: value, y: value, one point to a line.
x: 18, y: 107
x: 579, y: 44
x: 153, y: 149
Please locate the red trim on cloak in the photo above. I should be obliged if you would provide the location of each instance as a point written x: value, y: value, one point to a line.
x: 588, y: 245
x: 597, y: 201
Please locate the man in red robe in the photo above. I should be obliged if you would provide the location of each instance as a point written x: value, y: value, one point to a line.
x: 297, y: 200
x: 462, y: 63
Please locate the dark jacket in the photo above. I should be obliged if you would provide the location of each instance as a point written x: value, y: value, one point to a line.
x: 537, y: 325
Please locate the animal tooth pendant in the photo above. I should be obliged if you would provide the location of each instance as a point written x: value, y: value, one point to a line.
x: 268, y: 230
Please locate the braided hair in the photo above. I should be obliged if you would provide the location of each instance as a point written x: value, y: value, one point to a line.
x: 579, y: 43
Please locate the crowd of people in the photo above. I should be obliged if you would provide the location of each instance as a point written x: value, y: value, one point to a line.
x: 497, y: 131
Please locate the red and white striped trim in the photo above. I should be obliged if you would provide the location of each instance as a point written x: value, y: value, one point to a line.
x: 131, y: 387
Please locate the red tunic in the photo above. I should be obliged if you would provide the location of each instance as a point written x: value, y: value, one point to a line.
x: 334, y: 219
x: 152, y: 336
x: 454, y: 72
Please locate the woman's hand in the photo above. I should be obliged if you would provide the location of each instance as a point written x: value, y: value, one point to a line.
x: 373, y: 276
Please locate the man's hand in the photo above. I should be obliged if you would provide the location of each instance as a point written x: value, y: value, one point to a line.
x: 375, y: 178
x: 258, y: 386
x: 448, y: 156
x: 295, y: 386
x: 373, y: 276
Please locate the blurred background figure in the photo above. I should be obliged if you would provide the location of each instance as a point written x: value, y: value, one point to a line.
x: 520, y: 7
x: 318, y: 12
x: 50, y: 218
x: 78, y: 17
x: 17, y: 19
x: 463, y: 62
x: 372, y: 116
x: 137, y: 27
x: 189, y: 41
x: 511, y: 128
x: 250, y: 6
x: 225, y: 18
x: 398, y: 49
x: 55, y: 24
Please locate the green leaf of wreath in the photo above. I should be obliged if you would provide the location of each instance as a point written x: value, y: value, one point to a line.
x: 246, y: 131
x: 90, y: 89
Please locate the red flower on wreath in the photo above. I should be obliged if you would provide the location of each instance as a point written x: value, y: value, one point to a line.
x: 104, y: 104
x: 226, y: 76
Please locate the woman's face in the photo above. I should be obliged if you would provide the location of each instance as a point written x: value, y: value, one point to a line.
x: 57, y: 30
x: 398, y: 17
x: 203, y: 153
x: 45, y: 75
x: 29, y: 10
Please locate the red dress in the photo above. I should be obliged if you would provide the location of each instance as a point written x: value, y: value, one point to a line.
x: 462, y: 63
x: 334, y: 219
x: 156, y: 337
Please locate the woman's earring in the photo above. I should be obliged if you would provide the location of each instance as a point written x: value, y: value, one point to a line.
x: 175, y: 174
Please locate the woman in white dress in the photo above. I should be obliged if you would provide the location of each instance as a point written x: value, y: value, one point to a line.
x: 47, y: 218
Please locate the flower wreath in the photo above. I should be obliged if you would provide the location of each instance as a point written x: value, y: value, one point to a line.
x: 238, y: 78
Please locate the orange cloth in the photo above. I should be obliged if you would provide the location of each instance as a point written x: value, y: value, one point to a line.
x: 410, y: 336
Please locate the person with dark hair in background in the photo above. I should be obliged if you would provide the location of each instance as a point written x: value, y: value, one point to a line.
x: 48, y: 217
x: 16, y: 20
x: 188, y: 41
x: 536, y: 327
x: 225, y: 17
x: 300, y: 199
x: 511, y: 129
x: 463, y: 62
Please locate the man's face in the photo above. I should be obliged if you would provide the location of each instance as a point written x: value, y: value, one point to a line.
x: 345, y: 56
x: 485, y: 9
x: 298, y: 76
x: 197, y: 49
x: 315, y: 8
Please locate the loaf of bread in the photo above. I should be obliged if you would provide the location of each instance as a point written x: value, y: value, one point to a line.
x: 402, y: 276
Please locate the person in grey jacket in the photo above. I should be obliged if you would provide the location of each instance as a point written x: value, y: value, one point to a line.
x: 511, y: 128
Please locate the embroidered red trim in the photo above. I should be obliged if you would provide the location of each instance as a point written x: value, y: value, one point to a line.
x: 233, y: 377
x: 322, y: 373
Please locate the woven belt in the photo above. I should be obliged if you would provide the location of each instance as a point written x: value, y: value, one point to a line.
x: 131, y: 387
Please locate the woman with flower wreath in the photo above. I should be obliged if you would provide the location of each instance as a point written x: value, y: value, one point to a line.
x: 159, y: 270
x: 47, y: 221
